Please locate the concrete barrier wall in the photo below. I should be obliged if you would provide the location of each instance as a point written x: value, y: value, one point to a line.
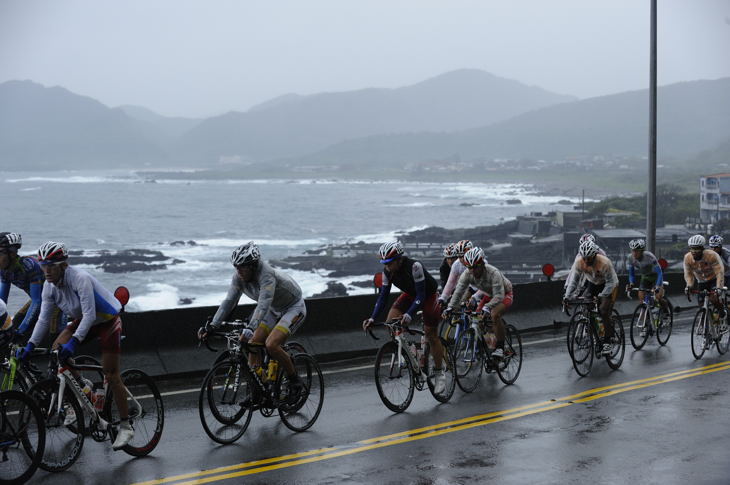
x: 164, y: 341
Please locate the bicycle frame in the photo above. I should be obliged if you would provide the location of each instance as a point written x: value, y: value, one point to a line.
x: 395, y: 330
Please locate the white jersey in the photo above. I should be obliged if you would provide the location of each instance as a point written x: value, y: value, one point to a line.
x: 80, y: 296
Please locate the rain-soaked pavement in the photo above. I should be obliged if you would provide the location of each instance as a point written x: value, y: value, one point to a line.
x: 664, y: 429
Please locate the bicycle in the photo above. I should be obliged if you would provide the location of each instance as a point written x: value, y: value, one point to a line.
x: 233, y: 388
x: 587, y: 338
x: 650, y: 318
x: 61, y: 409
x: 706, y: 332
x: 22, y: 437
x: 581, y: 311
x: 472, y: 355
x: 402, y: 362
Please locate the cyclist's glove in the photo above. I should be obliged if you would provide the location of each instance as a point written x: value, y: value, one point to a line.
x: 23, y: 353
x: 447, y: 313
x: 406, y: 318
x: 68, y: 349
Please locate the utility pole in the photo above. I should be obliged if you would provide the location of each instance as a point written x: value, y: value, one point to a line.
x: 651, y: 192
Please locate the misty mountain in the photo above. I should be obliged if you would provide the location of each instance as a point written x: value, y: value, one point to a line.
x: 692, y: 116
x: 168, y: 128
x: 52, y: 128
x: 292, y: 125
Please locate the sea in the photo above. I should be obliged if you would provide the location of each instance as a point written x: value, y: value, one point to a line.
x: 115, y: 210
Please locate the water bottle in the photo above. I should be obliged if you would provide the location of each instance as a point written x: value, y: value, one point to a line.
x: 247, y: 334
x: 273, y: 367
x: 86, y: 386
x: 655, y: 316
x: 421, y: 354
x: 98, y: 399
x: 491, y: 340
x: 601, y: 328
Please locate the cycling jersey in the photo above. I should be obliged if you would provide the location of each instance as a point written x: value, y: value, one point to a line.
x: 412, y: 279
x: 571, y: 275
x: 647, y: 267
x: 492, y: 282
x: 456, y: 271
x: 271, y: 289
x: 601, y: 272
x: 26, y: 274
x: 725, y: 257
x: 80, y: 296
x: 709, y: 266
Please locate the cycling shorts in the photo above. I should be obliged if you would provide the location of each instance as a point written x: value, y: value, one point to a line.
x: 595, y: 290
x: 506, y: 301
x: 109, y: 334
x: 647, y: 282
x: 431, y: 310
x: 287, y: 321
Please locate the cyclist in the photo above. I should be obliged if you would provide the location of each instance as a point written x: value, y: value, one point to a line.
x: 582, y: 283
x: 716, y: 245
x: 96, y: 314
x: 650, y: 273
x: 457, y: 269
x: 704, y: 266
x: 24, y: 273
x: 602, y: 284
x: 279, y: 312
x: 445, y: 268
x: 419, y: 292
x: 497, y: 289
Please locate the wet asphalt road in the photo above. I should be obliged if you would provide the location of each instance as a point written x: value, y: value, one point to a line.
x: 664, y: 430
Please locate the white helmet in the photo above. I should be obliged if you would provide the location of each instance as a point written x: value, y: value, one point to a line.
x: 52, y: 252
x: 390, y: 251
x: 462, y: 247
x: 245, y: 254
x: 696, y: 241
x: 473, y: 257
x: 450, y: 251
x: 588, y: 249
x: 10, y: 240
x: 637, y: 244
x: 586, y: 237
x: 716, y: 241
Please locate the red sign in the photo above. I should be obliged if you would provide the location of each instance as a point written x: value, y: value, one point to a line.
x: 548, y: 269
x: 378, y: 280
x: 122, y: 294
x: 663, y: 263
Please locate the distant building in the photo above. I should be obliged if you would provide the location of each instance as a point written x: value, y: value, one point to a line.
x: 715, y: 197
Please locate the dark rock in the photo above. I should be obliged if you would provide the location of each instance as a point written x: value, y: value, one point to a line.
x: 334, y: 288
x: 363, y: 284
x: 185, y: 301
x: 513, y: 201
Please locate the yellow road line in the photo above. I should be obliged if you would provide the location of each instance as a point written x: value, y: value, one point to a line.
x: 286, y: 461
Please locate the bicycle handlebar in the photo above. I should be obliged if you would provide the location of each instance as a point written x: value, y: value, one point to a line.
x: 393, y: 326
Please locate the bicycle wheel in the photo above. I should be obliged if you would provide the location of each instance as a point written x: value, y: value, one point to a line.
x: 571, y: 328
x: 509, y: 368
x: 666, y: 320
x: 22, y: 437
x: 723, y: 340
x: 449, y: 367
x: 145, y: 410
x: 64, y: 431
x: 225, y: 402
x: 468, y: 356
x: 294, y: 347
x: 699, y: 334
x: 302, y: 414
x: 639, y: 331
x: 583, y: 343
x: 394, y: 377
x: 618, y: 344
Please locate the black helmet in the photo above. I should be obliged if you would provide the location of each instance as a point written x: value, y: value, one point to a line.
x: 10, y: 240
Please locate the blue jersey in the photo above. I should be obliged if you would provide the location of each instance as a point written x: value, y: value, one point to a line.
x: 26, y: 274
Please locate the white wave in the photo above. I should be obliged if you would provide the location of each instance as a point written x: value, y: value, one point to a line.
x: 30, y: 189
x: 413, y: 204
x: 386, y: 236
x: 74, y: 179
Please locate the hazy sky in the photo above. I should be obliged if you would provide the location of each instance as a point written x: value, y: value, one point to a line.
x: 206, y: 57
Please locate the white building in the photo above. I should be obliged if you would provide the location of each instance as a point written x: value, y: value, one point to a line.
x: 715, y: 197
